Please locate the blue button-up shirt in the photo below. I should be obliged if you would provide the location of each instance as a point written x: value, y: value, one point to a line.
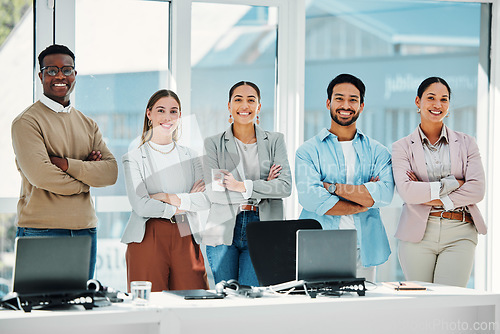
x: 321, y: 159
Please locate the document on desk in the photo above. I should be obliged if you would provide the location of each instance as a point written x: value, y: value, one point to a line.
x: 195, y: 294
x: 404, y: 286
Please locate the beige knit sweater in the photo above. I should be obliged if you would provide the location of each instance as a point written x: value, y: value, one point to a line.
x: 51, y: 198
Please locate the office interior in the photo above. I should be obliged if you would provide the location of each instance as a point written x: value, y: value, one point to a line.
x: 127, y: 49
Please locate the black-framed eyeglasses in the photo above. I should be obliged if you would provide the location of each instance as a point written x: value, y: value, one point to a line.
x: 53, y: 70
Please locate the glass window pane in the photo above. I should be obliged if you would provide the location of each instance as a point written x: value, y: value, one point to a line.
x: 16, y: 93
x: 121, y: 54
x: 231, y: 43
x: 392, y: 46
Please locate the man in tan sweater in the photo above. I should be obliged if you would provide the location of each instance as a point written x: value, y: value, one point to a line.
x: 60, y: 154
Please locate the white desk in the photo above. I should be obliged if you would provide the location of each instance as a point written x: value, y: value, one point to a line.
x: 439, y: 310
x: 119, y: 318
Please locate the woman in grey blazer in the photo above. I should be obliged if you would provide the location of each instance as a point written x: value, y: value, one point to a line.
x: 165, y: 189
x: 253, y: 174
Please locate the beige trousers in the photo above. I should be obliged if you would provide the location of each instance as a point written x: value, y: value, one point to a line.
x: 444, y: 256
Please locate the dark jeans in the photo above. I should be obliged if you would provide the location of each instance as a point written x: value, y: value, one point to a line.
x: 58, y: 232
x: 233, y: 262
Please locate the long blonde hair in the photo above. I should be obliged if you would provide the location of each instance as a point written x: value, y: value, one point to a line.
x: 147, y: 129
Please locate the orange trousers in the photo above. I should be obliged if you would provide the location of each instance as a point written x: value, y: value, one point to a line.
x: 167, y: 260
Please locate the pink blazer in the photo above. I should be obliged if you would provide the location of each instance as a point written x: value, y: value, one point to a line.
x: 408, y: 154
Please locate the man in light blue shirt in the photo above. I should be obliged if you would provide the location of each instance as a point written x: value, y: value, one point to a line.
x: 343, y: 177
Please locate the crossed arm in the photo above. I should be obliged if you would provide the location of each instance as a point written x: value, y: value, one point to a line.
x: 195, y: 199
x: 276, y: 185
x: 62, y: 176
x: 62, y: 163
x: 175, y: 200
x: 97, y: 169
x: 230, y: 183
x: 348, y: 199
x: 353, y: 198
x: 468, y: 188
x: 436, y: 202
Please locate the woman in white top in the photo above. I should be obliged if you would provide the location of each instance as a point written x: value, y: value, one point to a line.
x: 165, y: 188
x: 255, y: 177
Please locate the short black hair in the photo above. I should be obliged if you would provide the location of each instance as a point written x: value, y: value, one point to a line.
x: 55, y: 49
x: 429, y: 81
x: 347, y: 78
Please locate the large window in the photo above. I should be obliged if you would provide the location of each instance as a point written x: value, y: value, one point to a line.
x: 290, y: 48
x: 16, y: 93
x: 122, y: 53
x: 392, y: 46
x: 241, y: 45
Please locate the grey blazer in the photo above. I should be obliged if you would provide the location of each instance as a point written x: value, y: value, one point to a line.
x: 141, y: 182
x: 221, y: 153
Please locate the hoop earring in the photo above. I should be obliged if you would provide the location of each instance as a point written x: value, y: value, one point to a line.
x: 230, y: 119
x: 257, y: 121
x: 150, y: 124
x: 448, y: 114
x: 418, y: 110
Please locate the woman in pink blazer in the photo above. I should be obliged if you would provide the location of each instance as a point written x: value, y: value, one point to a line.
x: 439, y: 175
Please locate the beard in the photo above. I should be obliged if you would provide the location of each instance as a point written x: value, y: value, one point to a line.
x: 335, y: 117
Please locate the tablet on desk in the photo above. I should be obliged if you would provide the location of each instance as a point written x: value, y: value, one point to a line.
x: 195, y: 294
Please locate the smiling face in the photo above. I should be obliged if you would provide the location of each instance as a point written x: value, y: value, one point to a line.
x: 164, y: 116
x: 58, y: 87
x: 345, y: 104
x: 244, y: 105
x: 434, y: 103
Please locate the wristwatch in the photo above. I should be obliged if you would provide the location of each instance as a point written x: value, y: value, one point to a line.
x: 332, y: 188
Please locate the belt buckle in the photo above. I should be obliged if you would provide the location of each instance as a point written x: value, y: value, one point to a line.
x: 180, y: 218
x: 441, y: 215
x: 248, y: 207
x: 463, y: 216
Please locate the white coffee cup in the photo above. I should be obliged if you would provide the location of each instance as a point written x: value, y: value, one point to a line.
x: 141, y: 292
x: 217, y: 179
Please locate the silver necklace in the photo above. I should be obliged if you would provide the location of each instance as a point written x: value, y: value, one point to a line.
x: 245, y: 144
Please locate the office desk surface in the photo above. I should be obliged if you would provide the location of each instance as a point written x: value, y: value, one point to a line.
x: 440, y: 309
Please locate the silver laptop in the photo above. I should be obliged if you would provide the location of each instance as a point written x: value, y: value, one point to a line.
x: 323, y: 256
x: 326, y: 254
x: 51, y: 264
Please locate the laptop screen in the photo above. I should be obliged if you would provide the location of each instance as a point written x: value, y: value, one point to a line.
x: 326, y: 254
x: 51, y: 264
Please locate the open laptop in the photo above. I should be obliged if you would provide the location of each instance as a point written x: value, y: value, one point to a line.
x: 326, y: 254
x: 323, y: 256
x: 47, y: 265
